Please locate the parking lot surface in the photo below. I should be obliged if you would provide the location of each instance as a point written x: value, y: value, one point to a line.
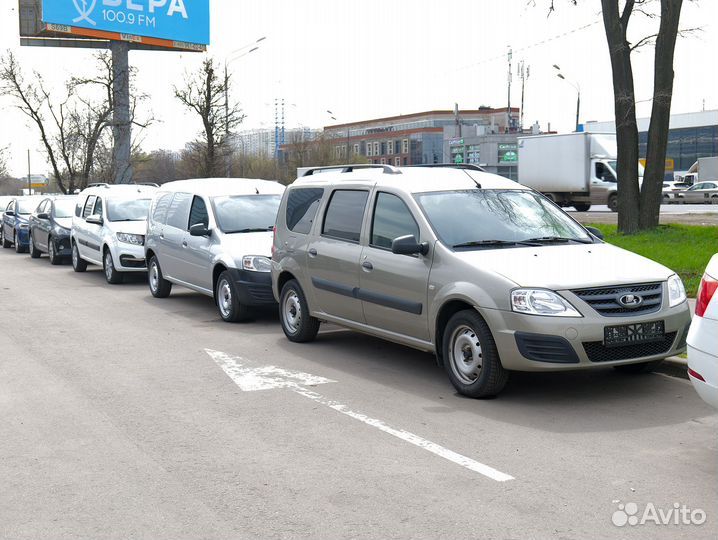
x: 127, y: 416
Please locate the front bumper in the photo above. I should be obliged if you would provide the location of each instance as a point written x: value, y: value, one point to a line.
x: 63, y: 247
x: 253, y: 288
x: 536, y: 343
x: 129, y: 257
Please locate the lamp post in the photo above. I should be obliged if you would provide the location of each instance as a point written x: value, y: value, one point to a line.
x: 576, y: 87
x: 228, y: 60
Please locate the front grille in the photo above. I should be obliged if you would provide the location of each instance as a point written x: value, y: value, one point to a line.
x: 542, y: 348
x: 605, y: 299
x: 598, y: 352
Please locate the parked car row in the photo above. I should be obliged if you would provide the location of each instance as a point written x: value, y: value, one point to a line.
x: 488, y: 275
x: 682, y: 193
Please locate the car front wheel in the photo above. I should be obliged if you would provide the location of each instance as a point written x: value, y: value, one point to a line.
x: 34, y: 252
x: 52, y: 253
x: 227, y: 300
x: 18, y: 247
x: 112, y: 275
x: 78, y: 264
x: 471, y: 358
x: 5, y: 243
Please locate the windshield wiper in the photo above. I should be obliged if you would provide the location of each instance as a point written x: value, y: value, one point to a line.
x: 251, y: 229
x: 126, y: 219
x: 479, y: 243
x: 558, y: 239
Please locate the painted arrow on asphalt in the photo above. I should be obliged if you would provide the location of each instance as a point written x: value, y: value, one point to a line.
x: 251, y: 378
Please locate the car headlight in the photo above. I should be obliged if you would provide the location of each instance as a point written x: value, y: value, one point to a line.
x: 61, y: 231
x: 135, y: 239
x: 255, y: 263
x: 541, y: 302
x: 676, y: 291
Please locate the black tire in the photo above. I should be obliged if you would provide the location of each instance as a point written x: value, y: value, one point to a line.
x: 18, y: 247
x: 613, y: 203
x: 582, y: 207
x: 640, y: 367
x: 34, y: 252
x: 159, y: 286
x: 55, y: 259
x: 467, y: 332
x: 78, y: 264
x: 298, y: 325
x: 5, y: 243
x: 227, y: 300
x: 112, y: 275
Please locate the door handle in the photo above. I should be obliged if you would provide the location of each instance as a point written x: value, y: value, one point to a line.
x: 367, y: 265
x: 312, y: 252
x: 162, y: 236
x: 184, y: 243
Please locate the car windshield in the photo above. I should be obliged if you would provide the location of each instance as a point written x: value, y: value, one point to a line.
x: 246, y: 213
x: 480, y: 218
x: 128, y: 209
x: 27, y: 206
x: 64, y: 208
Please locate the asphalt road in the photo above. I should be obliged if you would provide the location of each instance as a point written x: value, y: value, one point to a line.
x: 127, y: 416
x: 686, y: 214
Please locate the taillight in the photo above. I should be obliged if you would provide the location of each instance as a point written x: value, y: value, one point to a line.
x: 705, y: 293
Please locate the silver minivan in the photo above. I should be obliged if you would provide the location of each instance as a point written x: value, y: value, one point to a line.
x: 214, y: 236
x: 489, y: 275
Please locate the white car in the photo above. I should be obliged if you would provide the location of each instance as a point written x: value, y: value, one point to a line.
x: 703, y: 337
x: 108, y: 229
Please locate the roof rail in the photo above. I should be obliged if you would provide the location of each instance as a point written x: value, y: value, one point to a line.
x: 388, y: 169
x: 150, y: 184
x: 98, y: 184
x: 465, y: 166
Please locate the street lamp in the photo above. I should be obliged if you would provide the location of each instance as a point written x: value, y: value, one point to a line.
x: 228, y: 60
x: 575, y: 86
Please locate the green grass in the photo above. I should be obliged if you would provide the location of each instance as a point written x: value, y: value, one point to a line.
x: 683, y: 248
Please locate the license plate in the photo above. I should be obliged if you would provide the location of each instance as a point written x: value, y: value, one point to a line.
x: 629, y: 334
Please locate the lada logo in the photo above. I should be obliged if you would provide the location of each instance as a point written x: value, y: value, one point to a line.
x: 630, y: 300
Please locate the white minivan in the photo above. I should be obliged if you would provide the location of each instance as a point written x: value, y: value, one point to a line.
x: 108, y: 229
x: 214, y: 236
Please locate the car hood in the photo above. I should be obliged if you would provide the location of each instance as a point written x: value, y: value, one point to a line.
x: 567, y: 266
x: 130, y: 227
x: 255, y: 243
x: 64, y: 222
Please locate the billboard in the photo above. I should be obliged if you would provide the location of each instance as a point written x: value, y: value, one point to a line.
x: 185, y: 21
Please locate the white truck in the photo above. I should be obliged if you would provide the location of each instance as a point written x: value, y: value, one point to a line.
x: 573, y: 169
x: 703, y: 170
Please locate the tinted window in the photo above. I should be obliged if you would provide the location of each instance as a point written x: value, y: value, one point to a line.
x: 246, y: 213
x: 178, y: 211
x: 89, y: 204
x: 198, y: 212
x: 302, y: 207
x: 159, y: 214
x: 345, y: 214
x: 98, y: 207
x: 392, y: 219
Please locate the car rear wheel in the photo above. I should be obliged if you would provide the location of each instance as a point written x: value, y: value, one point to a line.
x: 640, y: 367
x: 613, y: 203
x: 582, y: 207
x: 227, y: 300
x: 34, y: 252
x: 298, y: 325
x: 112, y: 275
x: 471, y: 358
x: 78, y: 264
x: 159, y: 286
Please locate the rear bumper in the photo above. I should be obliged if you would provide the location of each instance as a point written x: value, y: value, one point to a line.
x: 253, y: 288
x: 703, y: 358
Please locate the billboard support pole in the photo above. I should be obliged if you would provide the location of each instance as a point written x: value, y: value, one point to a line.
x: 121, y: 122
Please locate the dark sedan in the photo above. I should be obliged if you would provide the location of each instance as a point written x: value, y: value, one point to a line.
x: 50, y: 228
x: 14, y: 229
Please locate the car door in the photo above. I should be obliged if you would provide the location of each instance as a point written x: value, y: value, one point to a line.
x: 173, y: 234
x: 156, y: 225
x: 695, y: 193
x: 197, y: 250
x: 94, y: 233
x: 41, y: 225
x: 82, y: 231
x: 333, y: 255
x: 393, y: 288
x: 603, y: 181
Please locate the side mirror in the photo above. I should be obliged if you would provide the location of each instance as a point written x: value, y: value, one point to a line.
x: 199, y: 229
x: 95, y: 219
x: 595, y: 232
x: 43, y: 215
x: 407, y: 245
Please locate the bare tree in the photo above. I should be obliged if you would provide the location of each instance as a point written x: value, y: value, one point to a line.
x: 3, y: 163
x: 205, y: 92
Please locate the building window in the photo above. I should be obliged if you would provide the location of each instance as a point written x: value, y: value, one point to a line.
x: 405, y: 146
x: 397, y: 162
x: 338, y: 152
x: 390, y: 147
x: 368, y: 149
x: 356, y: 149
x: 376, y: 148
x: 382, y: 161
x: 406, y: 161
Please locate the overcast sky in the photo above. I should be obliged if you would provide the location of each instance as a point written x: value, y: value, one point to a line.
x: 374, y: 58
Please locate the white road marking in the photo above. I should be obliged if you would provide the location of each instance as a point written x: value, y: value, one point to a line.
x: 250, y: 379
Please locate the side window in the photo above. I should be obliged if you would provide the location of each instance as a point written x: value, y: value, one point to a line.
x: 89, y: 204
x: 302, y: 205
x: 42, y: 207
x: 198, y: 212
x: 344, y: 215
x: 178, y: 211
x: 98, y: 207
x: 392, y: 219
x: 78, y: 208
x: 159, y: 212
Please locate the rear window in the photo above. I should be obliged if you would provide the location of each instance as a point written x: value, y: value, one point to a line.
x: 345, y: 215
x: 302, y: 205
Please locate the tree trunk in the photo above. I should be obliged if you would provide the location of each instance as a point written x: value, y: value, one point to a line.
x: 625, y: 112
x: 651, y: 191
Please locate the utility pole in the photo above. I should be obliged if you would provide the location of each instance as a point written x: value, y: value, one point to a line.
x: 523, y: 74
x: 226, y: 118
x: 29, y: 182
x: 508, y: 108
x: 121, y: 121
